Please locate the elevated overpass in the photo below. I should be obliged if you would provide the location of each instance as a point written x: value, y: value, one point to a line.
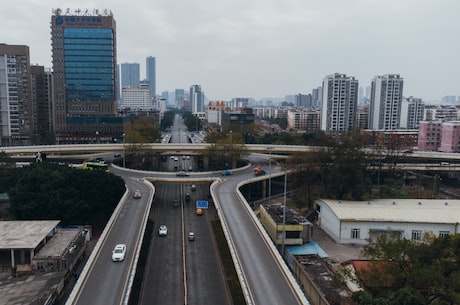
x: 154, y: 147
x: 276, y: 151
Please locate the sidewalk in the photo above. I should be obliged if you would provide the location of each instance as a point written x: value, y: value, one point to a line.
x: 337, y: 253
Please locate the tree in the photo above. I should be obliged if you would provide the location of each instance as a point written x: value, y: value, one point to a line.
x: 344, y: 168
x: 49, y: 191
x: 306, y: 173
x: 7, y: 166
x: 405, y: 270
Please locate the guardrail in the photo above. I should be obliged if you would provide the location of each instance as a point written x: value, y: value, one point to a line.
x: 90, y: 263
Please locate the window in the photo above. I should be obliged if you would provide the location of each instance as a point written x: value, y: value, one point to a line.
x: 443, y: 233
x: 355, y: 233
x: 416, y: 235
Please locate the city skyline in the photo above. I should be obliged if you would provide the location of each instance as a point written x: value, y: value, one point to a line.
x: 268, y: 48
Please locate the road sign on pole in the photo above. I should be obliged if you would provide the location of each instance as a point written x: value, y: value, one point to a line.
x: 201, y: 204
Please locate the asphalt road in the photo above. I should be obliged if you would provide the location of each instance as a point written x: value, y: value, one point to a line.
x: 180, y: 271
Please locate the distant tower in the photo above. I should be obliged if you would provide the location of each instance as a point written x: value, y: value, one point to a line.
x: 196, y: 99
x: 339, y: 103
x: 130, y: 75
x: 151, y: 74
x: 16, y: 112
x: 385, y: 102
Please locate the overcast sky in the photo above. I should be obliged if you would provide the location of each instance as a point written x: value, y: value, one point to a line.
x: 267, y: 48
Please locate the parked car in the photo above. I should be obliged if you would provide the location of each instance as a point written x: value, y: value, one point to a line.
x: 226, y: 173
x: 119, y: 252
x: 137, y: 194
x: 191, y: 236
x: 163, y: 230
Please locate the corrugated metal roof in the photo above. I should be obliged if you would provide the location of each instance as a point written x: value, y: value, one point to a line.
x: 25, y: 234
x: 397, y: 210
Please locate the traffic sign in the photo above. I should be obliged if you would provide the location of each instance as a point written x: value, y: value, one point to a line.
x: 201, y: 204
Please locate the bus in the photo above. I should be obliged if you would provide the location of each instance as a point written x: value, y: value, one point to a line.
x: 96, y: 165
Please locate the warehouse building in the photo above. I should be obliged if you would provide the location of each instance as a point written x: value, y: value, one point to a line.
x: 355, y: 222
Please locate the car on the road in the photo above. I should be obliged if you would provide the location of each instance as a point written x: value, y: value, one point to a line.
x: 117, y: 155
x: 137, y: 194
x: 181, y: 173
x: 172, y: 157
x: 193, y: 187
x: 226, y: 173
x: 176, y: 159
x: 119, y: 252
x: 175, y: 203
x: 163, y: 230
x: 191, y: 236
x: 187, y: 196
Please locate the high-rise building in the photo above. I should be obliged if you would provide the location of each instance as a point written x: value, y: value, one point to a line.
x: 196, y: 99
x: 130, y: 75
x: 385, y: 102
x: 16, y: 108
x: 316, y: 97
x: 42, y: 93
x: 85, y: 76
x: 179, y: 96
x: 412, y: 110
x: 151, y: 74
x: 339, y: 103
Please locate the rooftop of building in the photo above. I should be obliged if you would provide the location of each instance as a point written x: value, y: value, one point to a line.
x: 396, y: 210
x: 292, y: 216
x: 58, y: 245
x: 24, y: 234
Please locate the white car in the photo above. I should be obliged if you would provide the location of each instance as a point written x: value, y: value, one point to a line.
x: 119, y: 252
x: 163, y: 230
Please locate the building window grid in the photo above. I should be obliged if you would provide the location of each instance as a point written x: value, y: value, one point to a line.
x: 355, y: 233
x: 444, y: 233
x: 416, y: 235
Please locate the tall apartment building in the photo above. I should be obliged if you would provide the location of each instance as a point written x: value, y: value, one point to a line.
x: 196, y: 99
x: 444, y: 113
x: 429, y: 135
x: 16, y: 107
x: 450, y: 137
x: 151, y: 74
x: 85, y: 76
x: 385, y: 102
x: 412, y: 110
x: 303, y: 120
x: 339, y: 103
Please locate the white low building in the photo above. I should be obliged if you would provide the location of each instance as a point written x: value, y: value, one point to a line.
x: 355, y: 222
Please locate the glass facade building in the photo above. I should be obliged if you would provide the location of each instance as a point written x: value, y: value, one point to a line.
x: 85, y: 77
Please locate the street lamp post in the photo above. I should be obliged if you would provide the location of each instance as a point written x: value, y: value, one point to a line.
x: 124, y: 135
x: 231, y: 138
x: 284, y: 212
